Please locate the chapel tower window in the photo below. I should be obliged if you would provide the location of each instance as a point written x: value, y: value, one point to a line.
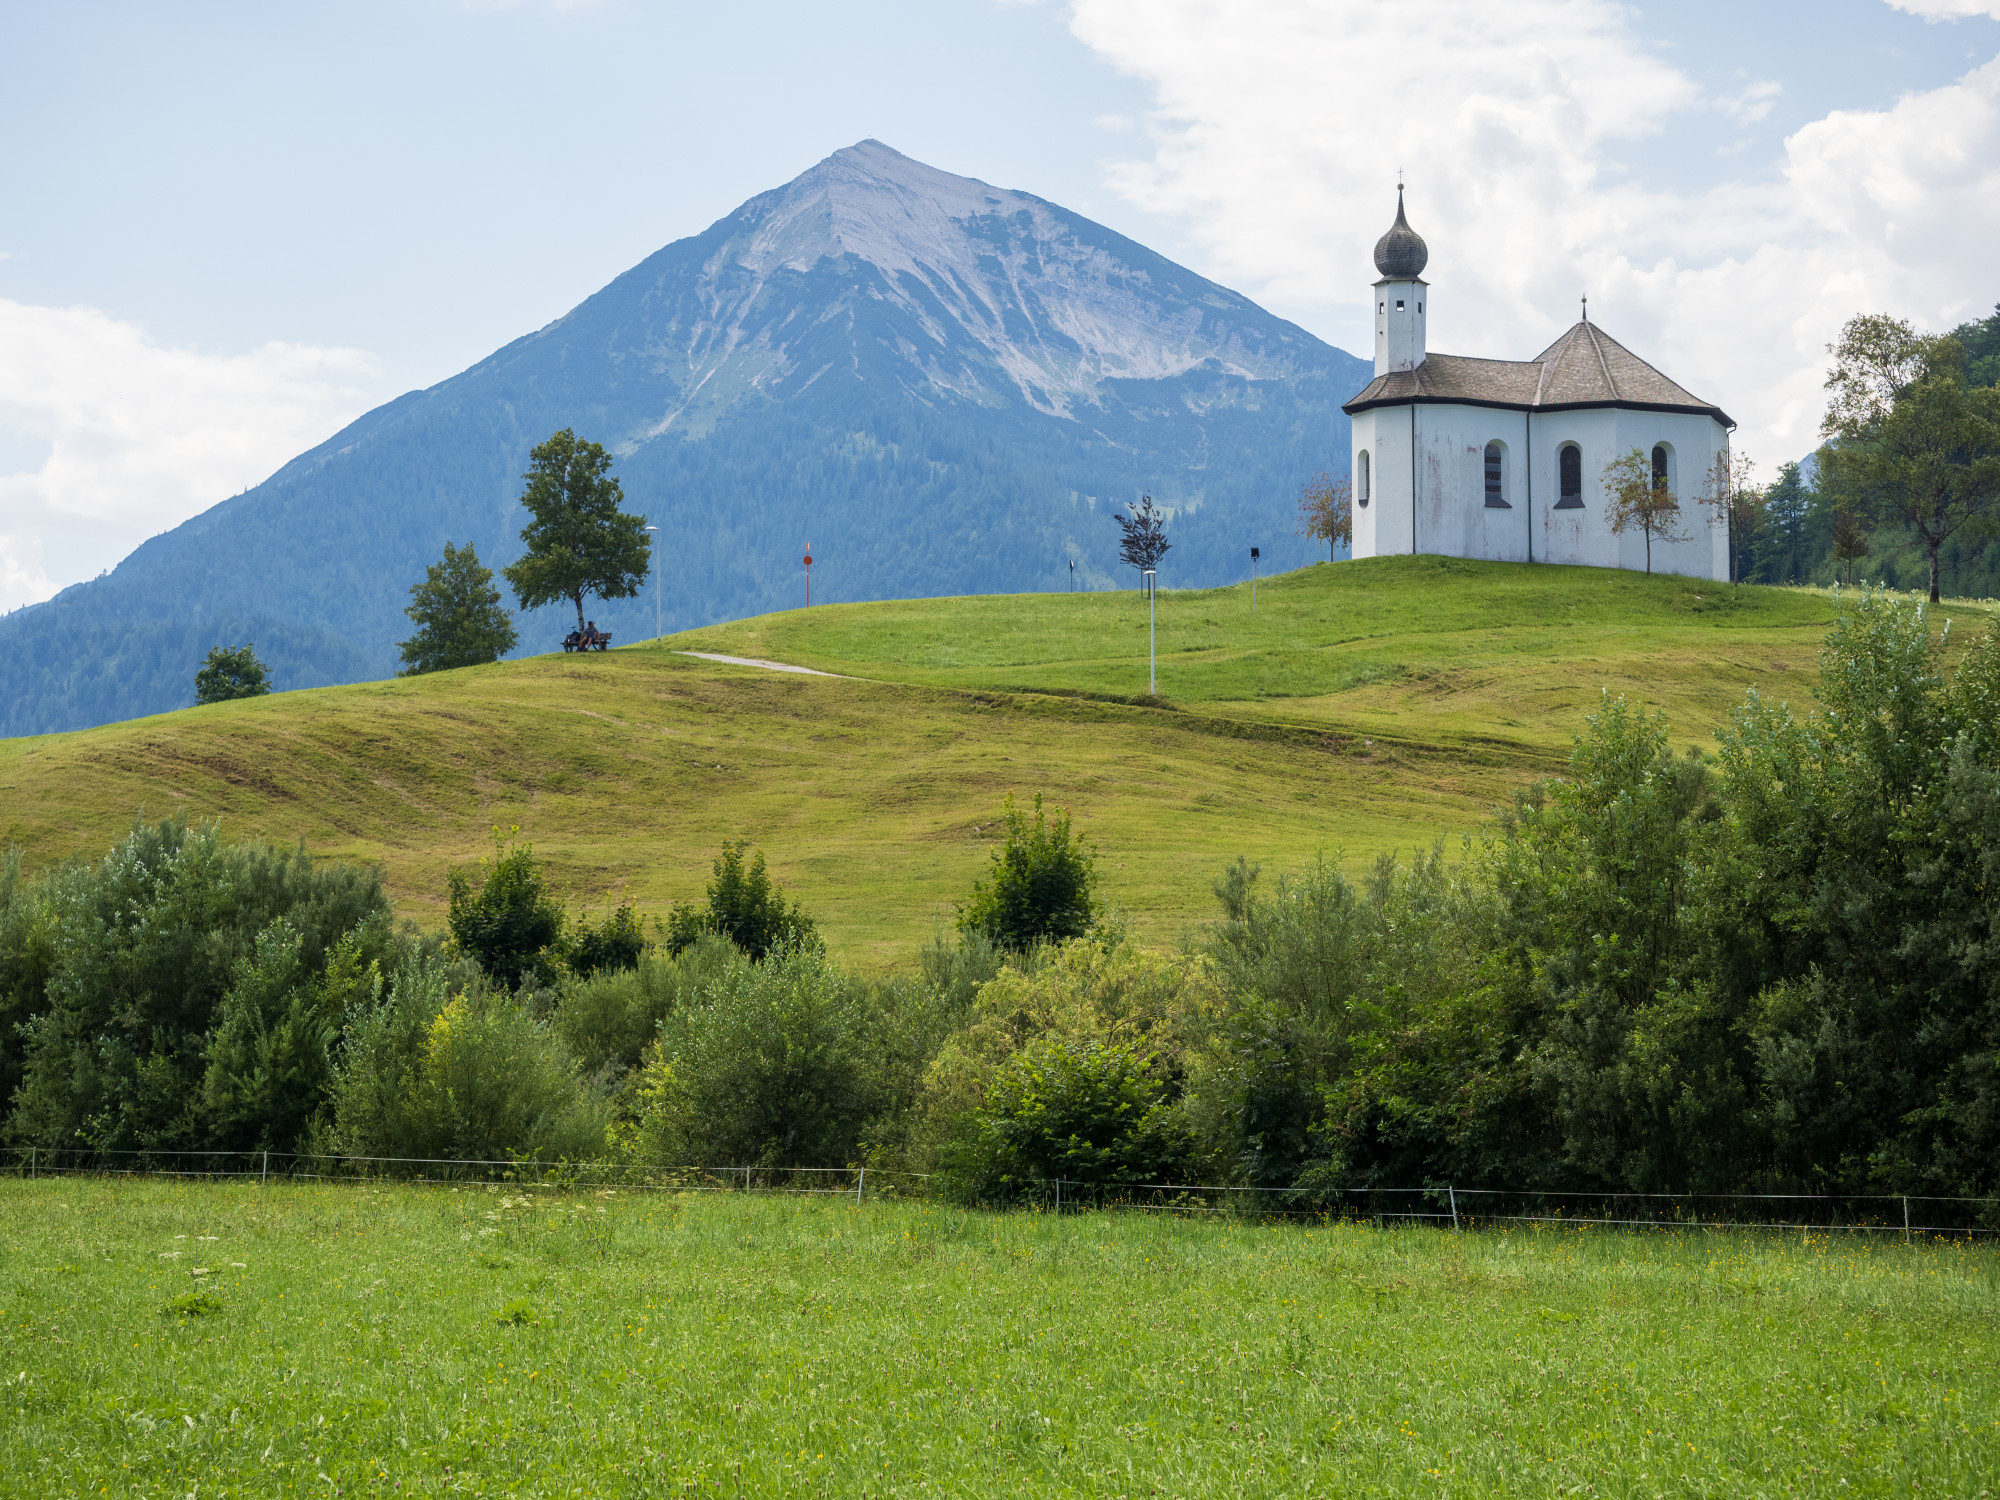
x: 1361, y: 479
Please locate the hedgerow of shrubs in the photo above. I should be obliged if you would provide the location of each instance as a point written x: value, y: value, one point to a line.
x: 1769, y: 968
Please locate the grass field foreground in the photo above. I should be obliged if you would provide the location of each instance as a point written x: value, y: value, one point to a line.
x: 220, y: 1340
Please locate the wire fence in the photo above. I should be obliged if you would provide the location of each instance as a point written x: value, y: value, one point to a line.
x: 1904, y: 1215
x: 1908, y: 1216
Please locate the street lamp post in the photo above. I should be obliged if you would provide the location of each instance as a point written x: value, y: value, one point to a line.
x: 657, y: 631
x: 1254, y: 555
x: 1152, y: 676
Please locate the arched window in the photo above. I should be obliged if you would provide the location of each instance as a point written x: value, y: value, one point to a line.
x: 1663, y: 467
x: 1496, y: 476
x: 1569, y: 477
x: 1361, y: 480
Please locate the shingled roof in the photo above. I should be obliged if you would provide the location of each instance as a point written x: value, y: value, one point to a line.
x: 1585, y: 367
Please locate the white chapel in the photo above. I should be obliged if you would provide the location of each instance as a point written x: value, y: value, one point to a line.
x: 1503, y: 459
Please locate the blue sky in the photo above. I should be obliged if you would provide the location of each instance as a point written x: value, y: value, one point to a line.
x: 228, y: 228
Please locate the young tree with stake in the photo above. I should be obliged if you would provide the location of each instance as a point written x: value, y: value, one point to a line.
x: 1143, y: 541
x: 579, y: 541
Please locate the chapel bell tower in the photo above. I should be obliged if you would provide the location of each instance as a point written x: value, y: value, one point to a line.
x: 1400, y: 257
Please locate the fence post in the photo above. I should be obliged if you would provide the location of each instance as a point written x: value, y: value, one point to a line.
x: 1906, y: 1219
x: 860, y: 1178
x: 265, y: 1179
x: 34, y: 1165
x: 1058, y: 1195
x: 1453, y: 1192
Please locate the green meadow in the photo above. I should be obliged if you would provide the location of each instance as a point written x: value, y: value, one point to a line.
x: 1361, y: 707
x: 231, y: 1340
x: 1435, y: 650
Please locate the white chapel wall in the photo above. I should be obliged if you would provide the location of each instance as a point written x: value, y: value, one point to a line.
x: 1450, y: 515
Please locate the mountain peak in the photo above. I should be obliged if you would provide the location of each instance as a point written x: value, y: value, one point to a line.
x: 871, y: 201
x: 986, y: 294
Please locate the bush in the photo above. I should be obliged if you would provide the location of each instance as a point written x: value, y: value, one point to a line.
x: 771, y: 1064
x: 1093, y: 1115
x: 509, y: 925
x: 1323, y: 973
x: 271, y: 1054
x: 745, y: 907
x: 27, y: 961
x: 441, y: 1069
x: 1090, y: 992
x: 134, y: 956
x: 1043, y: 885
x: 608, y: 1019
x: 616, y: 943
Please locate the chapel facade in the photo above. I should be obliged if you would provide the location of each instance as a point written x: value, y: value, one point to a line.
x: 1504, y: 459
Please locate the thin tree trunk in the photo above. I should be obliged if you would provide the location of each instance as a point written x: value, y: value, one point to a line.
x: 1934, y: 573
x: 578, y: 597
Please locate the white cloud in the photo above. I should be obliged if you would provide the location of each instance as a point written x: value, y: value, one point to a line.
x: 131, y: 437
x: 1753, y: 104
x: 1949, y: 10
x: 1280, y: 126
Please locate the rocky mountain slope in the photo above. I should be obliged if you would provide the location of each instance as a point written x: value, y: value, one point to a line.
x: 943, y: 387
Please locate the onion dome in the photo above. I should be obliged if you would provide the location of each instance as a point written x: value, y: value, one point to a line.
x: 1401, y: 254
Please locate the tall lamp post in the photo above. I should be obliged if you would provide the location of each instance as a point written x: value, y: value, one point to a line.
x: 809, y: 575
x: 1152, y: 677
x: 1254, y: 555
x: 657, y: 632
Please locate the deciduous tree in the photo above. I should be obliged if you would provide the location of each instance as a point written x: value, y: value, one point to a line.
x: 458, y: 616
x: 1326, y: 511
x: 1640, y: 498
x: 579, y: 541
x: 745, y: 907
x: 1730, y: 492
x: 231, y: 672
x: 1913, y: 443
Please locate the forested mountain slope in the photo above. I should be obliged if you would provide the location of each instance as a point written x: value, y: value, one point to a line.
x: 942, y: 386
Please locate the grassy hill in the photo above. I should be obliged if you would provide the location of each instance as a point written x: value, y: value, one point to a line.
x: 1433, y: 649
x: 1364, y: 706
